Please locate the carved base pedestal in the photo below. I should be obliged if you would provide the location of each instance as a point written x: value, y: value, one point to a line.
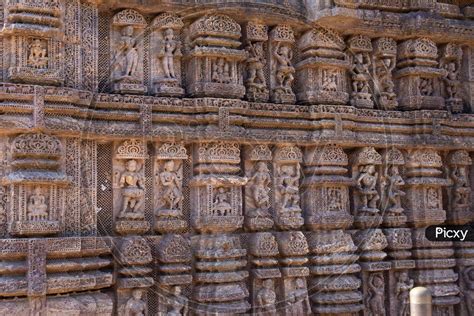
x: 218, y: 90
x: 34, y: 75
x: 224, y: 224
x: 424, y: 218
x: 329, y: 220
x: 362, y: 100
x: 388, y: 101
x: 421, y: 102
x: 289, y: 223
x: 170, y: 225
x: 129, y: 87
x: 367, y: 221
x: 281, y: 96
x: 256, y: 93
x: 128, y: 227
x: 323, y: 97
x: 35, y: 228
x: 455, y: 105
x: 168, y: 87
x: 258, y: 223
x: 394, y: 220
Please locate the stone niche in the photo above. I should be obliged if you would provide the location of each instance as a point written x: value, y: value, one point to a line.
x: 127, y: 52
x: 321, y: 73
x: 215, y: 62
x: 129, y: 187
x: 34, y: 32
x: 37, y: 185
x: 216, y: 190
x: 418, y: 75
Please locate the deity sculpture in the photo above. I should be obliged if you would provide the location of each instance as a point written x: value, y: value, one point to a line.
x: 135, y: 306
x: 366, y: 185
x: 425, y: 87
x: 221, y: 71
x: 255, y: 64
x: 170, y: 49
x: 461, y: 187
x: 132, y: 184
x: 178, y: 303
x: 37, y: 207
x: 284, y: 70
x: 260, y: 182
x: 222, y: 206
x: 360, y: 73
x: 432, y: 198
x: 394, y: 193
x: 384, y: 68
x: 451, y: 79
x: 171, y: 194
x: 288, y: 187
x: 335, y: 199
x: 297, y: 299
x: 266, y: 298
x: 403, y: 287
x: 329, y: 81
x: 38, y: 54
x: 127, y: 54
x: 468, y: 293
x: 376, y: 295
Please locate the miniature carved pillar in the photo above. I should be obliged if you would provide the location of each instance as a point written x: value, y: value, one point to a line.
x: 134, y: 255
x: 255, y: 38
x: 359, y: 49
x: 282, y: 72
x: 127, y: 52
x: 216, y: 194
x: 165, y: 41
x: 384, y: 61
x: 293, y: 287
x: 450, y: 62
x: 321, y: 73
x: 258, y: 202
x: 424, y: 207
x: 36, y: 184
x: 174, y: 265
x: 418, y: 76
x: 36, y: 277
x: 265, y: 273
x: 169, y: 217
x: 398, y: 237
x: 214, y: 62
x: 460, y: 213
x: 34, y: 32
x: 129, y: 187
x: 327, y: 215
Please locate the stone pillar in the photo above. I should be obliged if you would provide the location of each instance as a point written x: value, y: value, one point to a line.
x: 327, y: 215
x: 216, y: 195
x: 321, y: 73
x: 424, y: 207
x: 399, y: 242
x: 129, y: 187
x: 359, y: 50
x: 418, y: 75
x: 214, y: 62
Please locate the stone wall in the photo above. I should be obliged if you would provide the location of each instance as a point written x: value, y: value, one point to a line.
x: 234, y: 157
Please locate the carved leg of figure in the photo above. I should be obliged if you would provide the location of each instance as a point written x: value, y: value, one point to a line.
x: 373, y: 200
x: 171, y: 67
x: 261, y: 76
x: 166, y: 68
x: 126, y: 201
x: 252, y: 75
x: 137, y: 204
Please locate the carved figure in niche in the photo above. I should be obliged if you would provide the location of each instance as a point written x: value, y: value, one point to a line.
x: 266, y: 298
x: 360, y: 72
x: 288, y: 187
x: 170, y: 49
x: 255, y: 64
x: 132, y: 184
x: 127, y: 54
x: 260, y: 182
x: 221, y: 71
x: 425, y: 87
x: 376, y: 295
x: 178, y: 303
x: 394, y: 193
x: 171, y: 183
x: 366, y: 185
x: 222, y: 206
x: 432, y: 198
x: 384, y: 67
x: 329, y: 81
x: 468, y: 293
x: 284, y: 70
x: 135, y: 306
x: 38, y: 57
x: 403, y: 287
x: 37, y: 207
x: 451, y: 79
x: 297, y: 299
x: 461, y: 186
x: 335, y: 202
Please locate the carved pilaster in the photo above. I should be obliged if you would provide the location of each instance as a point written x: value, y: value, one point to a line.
x: 384, y: 61
x: 450, y: 62
x: 359, y: 49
